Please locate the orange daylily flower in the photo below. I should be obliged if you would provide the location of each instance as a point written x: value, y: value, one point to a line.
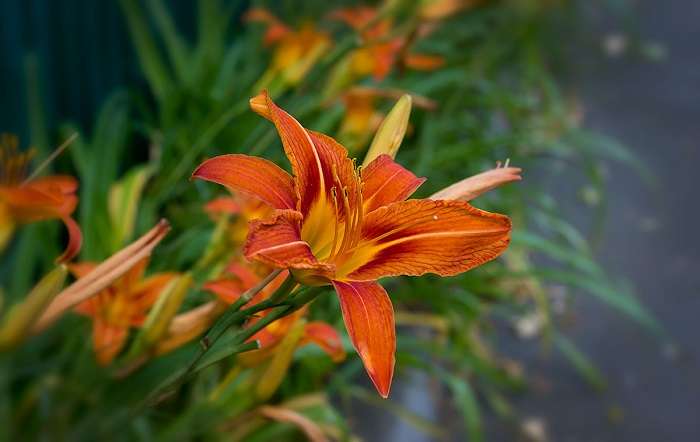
x: 296, y: 51
x: 120, y: 306
x: 25, y: 200
x: 335, y: 224
x: 242, y: 277
x: 381, y: 51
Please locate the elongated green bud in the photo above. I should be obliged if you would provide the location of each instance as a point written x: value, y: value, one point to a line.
x: 275, y: 372
x: 123, y: 202
x: 22, y: 316
x: 163, y: 312
x: 391, y: 132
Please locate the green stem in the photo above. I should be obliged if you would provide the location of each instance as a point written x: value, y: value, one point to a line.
x: 235, y: 315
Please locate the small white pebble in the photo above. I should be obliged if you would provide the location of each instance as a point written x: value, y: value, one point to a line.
x: 534, y: 429
x: 614, y: 44
x: 435, y: 217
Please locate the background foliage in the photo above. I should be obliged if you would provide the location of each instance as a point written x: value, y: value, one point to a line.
x: 497, y: 97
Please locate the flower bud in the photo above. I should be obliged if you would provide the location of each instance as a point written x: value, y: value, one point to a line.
x: 123, y: 202
x: 274, y: 374
x: 22, y: 316
x: 391, y: 132
x: 163, y: 312
x: 473, y: 186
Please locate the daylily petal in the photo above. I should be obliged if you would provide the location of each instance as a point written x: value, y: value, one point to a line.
x: 145, y: 294
x: 245, y: 273
x: 75, y: 239
x: 132, y: 276
x: 312, y: 430
x: 423, y: 236
x: 46, y: 198
x: 302, y: 154
x: 107, y: 341
x: 277, y: 242
x: 369, y: 319
x: 227, y: 290
x: 90, y: 307
x: 242, y: 278
x: 473, y: 186
x: 385, y: 182
x: 222, y: 206
x: 252, y: 176
x: 64, y: 184
x: 28, y: 204
x: 326, y: 337
x: 422, y: 62
x: 356, y: 18
x: 384, y: 57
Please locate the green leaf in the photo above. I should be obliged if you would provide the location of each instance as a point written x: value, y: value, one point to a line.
x: 618, y: 297
x: 151, y: 61
x: 466, y: 400
x: 416, y: 421
x: 580, y: 362
x: 178, y: 51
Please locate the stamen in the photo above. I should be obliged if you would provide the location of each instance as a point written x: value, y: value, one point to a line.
x: 59, y: 150
x: 359, y: 210
x: 334, y: 194
x: 348, y: 226
x: 13, y: 163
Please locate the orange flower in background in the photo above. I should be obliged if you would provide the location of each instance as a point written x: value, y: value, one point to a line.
x: 335, y: 224
x: 435, y: 10
x: 361, y: 118
x: 295, y: 51
x: 243, y: 207
x: 381, y: 50
x: 242, y: 277
x: 27, y: 200
x: 117, y: 308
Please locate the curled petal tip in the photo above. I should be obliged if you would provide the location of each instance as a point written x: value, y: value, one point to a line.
x: 383, y: 386
x: 163, y: 224
x: 259, y: 104
x: 75, y: 241
x: 197, y: 173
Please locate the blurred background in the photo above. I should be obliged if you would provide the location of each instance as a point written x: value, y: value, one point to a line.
x: 633, y: 67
